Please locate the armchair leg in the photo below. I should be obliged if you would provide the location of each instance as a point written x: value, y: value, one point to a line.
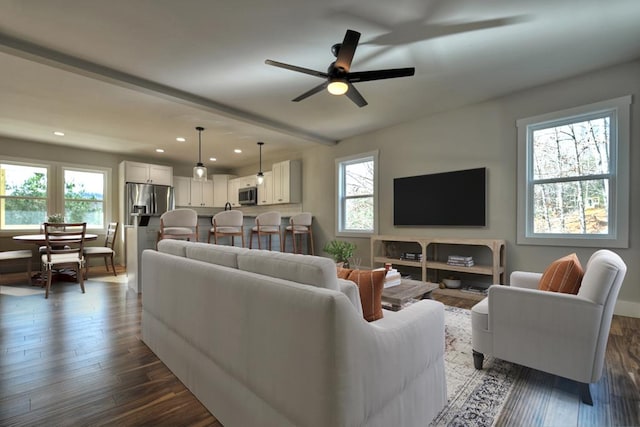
x: 585, y: 394
x: 478, y: 359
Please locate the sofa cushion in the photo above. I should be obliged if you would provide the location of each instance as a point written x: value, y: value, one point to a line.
x: 370, y: 283
x: 306, y: 269
x: 352, y: 292
x: 215, y: 254
x: 173, y: 247
x: 562, y: 275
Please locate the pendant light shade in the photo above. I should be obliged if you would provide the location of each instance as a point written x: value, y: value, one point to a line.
x: 199, y: 171
x: 260, y: 175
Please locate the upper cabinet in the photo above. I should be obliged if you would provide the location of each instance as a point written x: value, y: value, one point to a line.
x: 287, y: 181
x: 265, y: 190
x: 193, y: 193
x: 221, y: 189
x: 147, y: 173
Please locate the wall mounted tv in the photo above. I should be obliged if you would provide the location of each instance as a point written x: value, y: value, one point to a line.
x: 455, y: 198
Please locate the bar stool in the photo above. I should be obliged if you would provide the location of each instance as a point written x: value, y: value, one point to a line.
x: 299, y: 225
x: 179, y: 224
x: 267, y: 224
x: 227, y: 223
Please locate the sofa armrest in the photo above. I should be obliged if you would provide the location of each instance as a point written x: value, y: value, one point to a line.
x: 350, y: 289
x: 549, y: 331
x: 396, y: 353
x: 525, y: 279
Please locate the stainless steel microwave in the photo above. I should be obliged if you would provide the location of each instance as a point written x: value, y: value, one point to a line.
x: 248, y: 195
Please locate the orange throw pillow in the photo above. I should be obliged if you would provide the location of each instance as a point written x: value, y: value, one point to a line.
x: 343, y: 273
x: 370, y: 283
x: 562, y: 275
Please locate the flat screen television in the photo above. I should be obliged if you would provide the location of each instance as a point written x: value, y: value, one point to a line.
x: 455, y: 198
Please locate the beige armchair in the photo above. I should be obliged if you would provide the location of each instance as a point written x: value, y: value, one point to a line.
x: 562, y: 334
x: 179, y: 224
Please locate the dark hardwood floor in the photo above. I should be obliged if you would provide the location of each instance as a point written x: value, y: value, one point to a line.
x: 77, y: 360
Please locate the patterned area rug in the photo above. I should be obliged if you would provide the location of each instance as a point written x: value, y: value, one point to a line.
x: 475, y: 398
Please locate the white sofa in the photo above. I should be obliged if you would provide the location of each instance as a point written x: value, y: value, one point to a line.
x: 272, y: 339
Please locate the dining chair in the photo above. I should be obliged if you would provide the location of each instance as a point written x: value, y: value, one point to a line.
x: 105, y: 251
x: 57, y: 256
x: 179, y: 224
x: 227, y: 223
x: 11, y: 257
x: 299, y: 225
x: 267, y: 224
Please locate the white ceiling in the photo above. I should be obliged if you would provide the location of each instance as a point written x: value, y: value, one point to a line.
x: 130, y: 76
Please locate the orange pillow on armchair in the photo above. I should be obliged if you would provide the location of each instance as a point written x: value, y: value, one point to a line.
x: 562, y: 275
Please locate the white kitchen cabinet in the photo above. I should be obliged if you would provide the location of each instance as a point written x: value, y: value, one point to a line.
x: 193, y: 193
x: 146, y: 173
x: 182, y: 190
x: 232, y: 190
x: 287, y: 181
x: 221, y: 189
x: 265, y: 190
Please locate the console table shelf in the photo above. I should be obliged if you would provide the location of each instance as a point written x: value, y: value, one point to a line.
x: 383, y: 246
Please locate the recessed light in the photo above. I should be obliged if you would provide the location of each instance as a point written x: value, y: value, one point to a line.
x: 159, y: 150
x: 58, y: 133
x: 213, y: 159
x: 180, y: 139
x: 237, y: 150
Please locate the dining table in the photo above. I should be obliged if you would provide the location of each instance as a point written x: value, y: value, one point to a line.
x: 41, y: 240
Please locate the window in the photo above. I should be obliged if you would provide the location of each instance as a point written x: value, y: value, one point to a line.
x: 357, y: 194
x: 573, y: 176
x: 29, y: 193
x: 23, y: 196
x: 84, y: 197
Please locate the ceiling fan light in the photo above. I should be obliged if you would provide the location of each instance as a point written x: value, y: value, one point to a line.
x: 338, y: 87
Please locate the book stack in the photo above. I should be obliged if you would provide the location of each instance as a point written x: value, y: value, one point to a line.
x: 393, y: 278
x: 412, y: 256
x: 460, y: 261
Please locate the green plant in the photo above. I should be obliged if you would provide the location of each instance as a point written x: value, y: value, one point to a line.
x: 55, y: 218
x: 340, y: 250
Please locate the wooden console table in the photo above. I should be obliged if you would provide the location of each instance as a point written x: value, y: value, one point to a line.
x: 428, y: 249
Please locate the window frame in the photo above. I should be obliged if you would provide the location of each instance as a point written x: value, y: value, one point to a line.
x: 55, y: 188
x: 341, y: 163
x: 618, y: 235
x: 76, y: 168
x: 49, y: 192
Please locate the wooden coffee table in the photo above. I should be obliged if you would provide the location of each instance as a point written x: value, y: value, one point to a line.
x: 397, y: 296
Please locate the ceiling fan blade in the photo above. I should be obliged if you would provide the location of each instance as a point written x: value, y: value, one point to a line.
x: 365, y: 76
x: 347, y: 50
x: 296, y: 68
x: 356, y: 96
x: 311, y: 92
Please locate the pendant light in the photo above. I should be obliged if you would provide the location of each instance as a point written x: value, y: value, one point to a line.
x: 260, y: 175
x: 199, y: 171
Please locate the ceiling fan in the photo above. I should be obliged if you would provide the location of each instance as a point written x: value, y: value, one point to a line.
x: 338, y: 79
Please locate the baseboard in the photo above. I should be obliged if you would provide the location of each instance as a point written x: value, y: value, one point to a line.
x: 627, y: 308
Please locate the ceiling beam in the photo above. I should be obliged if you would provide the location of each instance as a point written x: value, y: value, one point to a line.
x: 43, y: 55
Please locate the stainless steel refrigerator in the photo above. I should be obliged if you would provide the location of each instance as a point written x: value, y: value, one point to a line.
x: 147, y: 199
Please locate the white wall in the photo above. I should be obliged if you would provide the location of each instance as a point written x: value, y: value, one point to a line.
x: 476, y: 136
